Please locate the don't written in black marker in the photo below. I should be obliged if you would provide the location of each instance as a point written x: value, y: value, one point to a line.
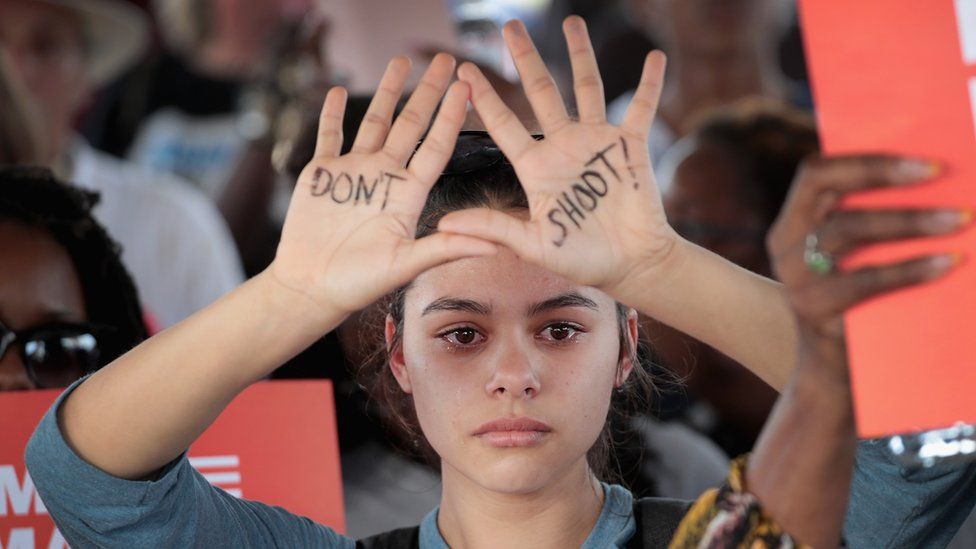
x: 358, y: 189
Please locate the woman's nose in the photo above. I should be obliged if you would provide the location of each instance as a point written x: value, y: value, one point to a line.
x: 514, y: 373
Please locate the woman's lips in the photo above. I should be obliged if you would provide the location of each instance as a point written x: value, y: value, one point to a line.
x: 513, y: 433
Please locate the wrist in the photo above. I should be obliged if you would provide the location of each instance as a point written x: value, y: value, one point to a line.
x: 286, y: 301
x: 817, y: 385
x: 651, y: 272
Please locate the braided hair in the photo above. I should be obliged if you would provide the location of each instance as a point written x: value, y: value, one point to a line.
x: 35, y: 198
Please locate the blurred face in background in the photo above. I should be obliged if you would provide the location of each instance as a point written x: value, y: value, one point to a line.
x: 38, y: 286
x: 710, y: 26
x: 45, y: 47
x: 709, y: 204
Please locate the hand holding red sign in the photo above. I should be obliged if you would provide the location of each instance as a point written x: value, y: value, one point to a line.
x: 900, y: 77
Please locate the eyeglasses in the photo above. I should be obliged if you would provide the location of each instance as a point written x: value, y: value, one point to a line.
x: 474, y: 151
x: 55, y: 355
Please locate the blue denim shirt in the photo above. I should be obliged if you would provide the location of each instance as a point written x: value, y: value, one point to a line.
x: 890, y: 507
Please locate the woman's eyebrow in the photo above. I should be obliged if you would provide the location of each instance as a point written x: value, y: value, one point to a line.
x: 569, y: 299
x: 456, y: 304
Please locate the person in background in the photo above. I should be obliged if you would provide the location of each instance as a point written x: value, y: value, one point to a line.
x: 731, y: 178
x: 719, y: 52
x: 67, y: 304
x: 208, y: 105
x: 174, y: 242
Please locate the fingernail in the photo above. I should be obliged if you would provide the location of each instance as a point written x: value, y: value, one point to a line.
x: 575, y: 22
x: 951, y: 219
x: 915, y: 169
x: 946, y: 261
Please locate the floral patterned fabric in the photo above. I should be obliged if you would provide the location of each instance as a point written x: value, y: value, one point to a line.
x: 730, y: 517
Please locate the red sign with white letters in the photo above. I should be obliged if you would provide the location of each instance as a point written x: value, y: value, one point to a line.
x: 899, y: 76
x: 275, y: 443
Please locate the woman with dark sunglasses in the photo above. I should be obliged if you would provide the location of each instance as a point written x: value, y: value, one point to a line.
x: 67, y: 305
x: 510, y: 328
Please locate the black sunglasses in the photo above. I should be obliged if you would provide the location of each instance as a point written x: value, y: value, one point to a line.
x: 474, y: 151
x: 55, y: 355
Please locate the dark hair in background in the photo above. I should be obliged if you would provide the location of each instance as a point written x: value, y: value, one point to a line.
x: 33, y: 197
x: 768, y: 141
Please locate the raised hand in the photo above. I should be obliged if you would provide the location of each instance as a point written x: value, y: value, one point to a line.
x: 819, y: 300
x: 595, y: 210
x: 348, y: 238
x: 808, y: 444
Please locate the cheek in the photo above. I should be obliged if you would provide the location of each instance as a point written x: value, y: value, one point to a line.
x: 442, y: 389
x: 586, y: 389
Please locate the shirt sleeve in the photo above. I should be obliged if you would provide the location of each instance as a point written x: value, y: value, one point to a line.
x: 730, y: 517
x: 893, y: 506
x: 179, y: 509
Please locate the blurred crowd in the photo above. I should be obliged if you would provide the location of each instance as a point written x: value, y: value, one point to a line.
x: 180, y: 127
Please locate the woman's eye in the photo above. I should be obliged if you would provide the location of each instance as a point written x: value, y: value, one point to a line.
x: 559, y: 332
x: 463, y: 336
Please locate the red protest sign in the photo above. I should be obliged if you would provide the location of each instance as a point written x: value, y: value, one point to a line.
x: 275, y: 443
x: 899, y: 76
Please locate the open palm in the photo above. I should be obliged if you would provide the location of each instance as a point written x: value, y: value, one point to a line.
x: 595, y: 209
x: 348, y: 238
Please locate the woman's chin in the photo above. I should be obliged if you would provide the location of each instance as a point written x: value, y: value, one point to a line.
x: 516, y: 474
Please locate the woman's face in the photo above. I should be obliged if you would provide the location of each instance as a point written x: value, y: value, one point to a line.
x: 38, y: 285
x: 495, y: 339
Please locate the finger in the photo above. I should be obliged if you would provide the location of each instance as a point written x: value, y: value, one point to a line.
x: 502, y: 124
x: 376, y: 123
x: 438, y: 146
x: 413, y: 120
x: 640, y: 113
x: 587, y: 84
x: 538, y: 84
x: 493, y: 226
x: 329, y: 141
x: 846, y: 230
x: 439, y: 248
x: 823, y: 300
x: 822, y: 182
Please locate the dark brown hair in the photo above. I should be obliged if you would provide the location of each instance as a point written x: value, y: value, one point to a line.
x: 495, y: 187
x: 768, y: 140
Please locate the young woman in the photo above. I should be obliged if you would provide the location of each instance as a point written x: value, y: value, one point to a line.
x: 508, y: 340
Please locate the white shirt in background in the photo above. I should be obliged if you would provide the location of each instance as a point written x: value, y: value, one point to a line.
x: 174, y: 242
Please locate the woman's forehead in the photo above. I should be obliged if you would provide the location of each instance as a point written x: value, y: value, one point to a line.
x: 500, y: 281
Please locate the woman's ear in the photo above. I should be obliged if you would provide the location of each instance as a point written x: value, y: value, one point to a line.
x: 629, y: 354
x: 394, y: 350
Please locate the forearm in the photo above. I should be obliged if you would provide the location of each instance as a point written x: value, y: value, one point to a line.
x: 801, y: 467
x: 742, y: 314
x: 145, y: 408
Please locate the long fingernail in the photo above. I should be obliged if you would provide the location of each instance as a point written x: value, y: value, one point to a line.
x: 916, y: 169
x: 942, y: 263
x: 950, y: 219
